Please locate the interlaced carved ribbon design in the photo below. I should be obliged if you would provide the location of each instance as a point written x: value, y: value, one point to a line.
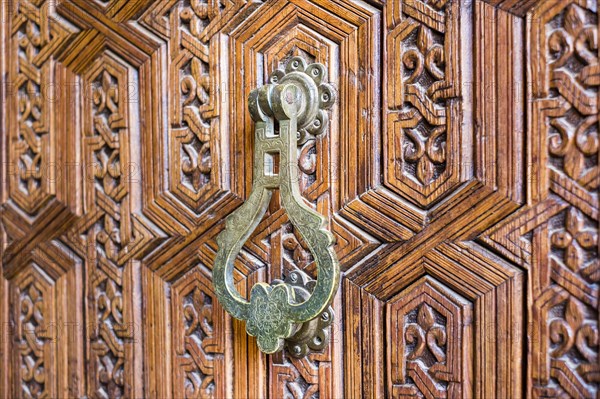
x: 285, y: 111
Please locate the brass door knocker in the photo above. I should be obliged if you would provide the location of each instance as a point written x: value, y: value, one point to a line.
x: 296, y: 311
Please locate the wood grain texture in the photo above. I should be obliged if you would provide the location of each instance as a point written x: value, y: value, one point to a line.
x: 459, y: 176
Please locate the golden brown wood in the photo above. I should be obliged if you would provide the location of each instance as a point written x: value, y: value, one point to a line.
x: 459, y: 175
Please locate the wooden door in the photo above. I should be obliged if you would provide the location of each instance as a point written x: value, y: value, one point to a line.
x: 459, y: 175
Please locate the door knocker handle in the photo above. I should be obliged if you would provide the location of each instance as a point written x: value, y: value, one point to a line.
x: 296, y: 311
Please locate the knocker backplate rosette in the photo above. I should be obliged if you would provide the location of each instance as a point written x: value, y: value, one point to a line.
x: 296, y: 312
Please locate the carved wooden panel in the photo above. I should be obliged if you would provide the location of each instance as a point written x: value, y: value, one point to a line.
x: 428, y: 330
x: 556, y: 236
x: 459, y: 176
x: 200, y: 353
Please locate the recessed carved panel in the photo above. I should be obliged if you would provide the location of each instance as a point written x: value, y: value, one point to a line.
x: 33, y: 304
x: 35, y: 37
x: 111, y: 236
x: 105, y: 132
x: 41, y: 330
x: 567, y: 75
x: 194, y: 96
x: 425, y: 90
x: 456, y: 299
x: 192, y: 165
x: 427, y: 343
x: 566, y: 346
x: 200, y: 333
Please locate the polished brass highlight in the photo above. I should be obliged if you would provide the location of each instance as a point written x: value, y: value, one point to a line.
x: 296, y: 311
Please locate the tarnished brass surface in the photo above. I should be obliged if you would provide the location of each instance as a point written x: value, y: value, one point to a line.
x: 283, y: 311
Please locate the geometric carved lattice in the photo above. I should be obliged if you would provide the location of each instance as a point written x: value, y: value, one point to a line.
x: 459, y: 175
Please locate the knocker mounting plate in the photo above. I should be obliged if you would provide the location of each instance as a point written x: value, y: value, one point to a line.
x: 295, y: 312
